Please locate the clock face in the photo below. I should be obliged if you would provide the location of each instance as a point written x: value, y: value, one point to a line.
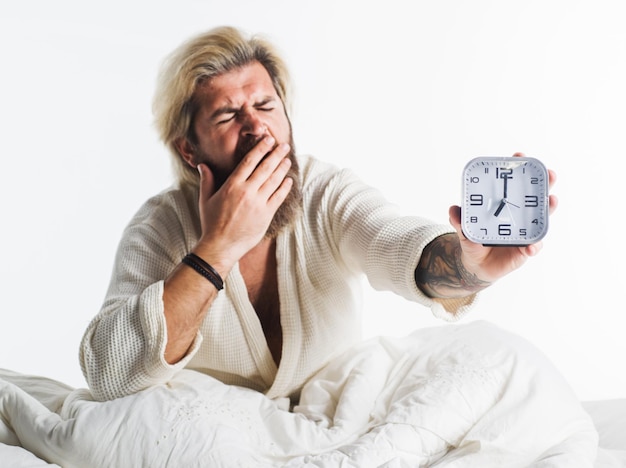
x: 505, y: 200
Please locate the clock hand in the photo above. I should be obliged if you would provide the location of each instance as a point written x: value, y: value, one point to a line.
x: 502, y: 205
x: 509, y: 203
x: 506, y: 178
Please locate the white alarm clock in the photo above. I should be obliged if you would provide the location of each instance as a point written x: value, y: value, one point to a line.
x: 505, y: 201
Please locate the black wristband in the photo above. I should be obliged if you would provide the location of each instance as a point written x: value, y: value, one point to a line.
x: 206, y: 266
x: 204, y: 269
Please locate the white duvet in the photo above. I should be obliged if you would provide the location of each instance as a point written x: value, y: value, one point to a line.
x: 452, y: 396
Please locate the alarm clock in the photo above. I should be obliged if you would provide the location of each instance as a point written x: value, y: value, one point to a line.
x: 505, y: 201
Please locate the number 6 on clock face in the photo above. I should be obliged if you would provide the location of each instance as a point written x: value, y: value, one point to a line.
x: 505, y: 201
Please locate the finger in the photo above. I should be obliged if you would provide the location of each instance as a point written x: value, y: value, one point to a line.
x: 276, y: 178
x: 251, y: 160
x: 280, y: 194
x: 207, y: 182
x: 455, y: 216
x: 268, y: 166
x: 533, y: 249
x: 553, y: 203
x: 454, y: 213
x: 551, y: 177
x: 519, y: 155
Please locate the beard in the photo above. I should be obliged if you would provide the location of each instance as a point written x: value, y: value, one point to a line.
x: 291, y: 208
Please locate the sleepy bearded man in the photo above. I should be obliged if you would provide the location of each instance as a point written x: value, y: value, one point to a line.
x: 249, y: 268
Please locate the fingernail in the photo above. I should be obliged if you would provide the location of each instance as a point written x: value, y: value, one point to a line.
x: 270, y: 140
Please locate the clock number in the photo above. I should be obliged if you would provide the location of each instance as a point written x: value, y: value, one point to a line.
x: 476, y: 199
x: 522, y: 232
x: 504, y: 173
x: 535, y: 221
x: 473, y: 219
x: 474, y: 180
x: 504, y: 229
x: 532, y: 201
x: 534, y: 180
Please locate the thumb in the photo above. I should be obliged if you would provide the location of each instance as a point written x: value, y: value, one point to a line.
x: 207, y: 182
x: 454, y: 214
x: 455, y: 220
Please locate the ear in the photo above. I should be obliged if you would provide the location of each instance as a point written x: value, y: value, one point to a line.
x: 186, y: 151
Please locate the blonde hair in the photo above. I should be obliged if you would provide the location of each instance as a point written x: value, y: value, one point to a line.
x: 213, y: 53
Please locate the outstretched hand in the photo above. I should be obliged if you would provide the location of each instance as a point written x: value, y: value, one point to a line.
x: 492, y: 263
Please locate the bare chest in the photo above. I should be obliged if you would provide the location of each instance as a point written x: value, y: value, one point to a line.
x: 258, y: 269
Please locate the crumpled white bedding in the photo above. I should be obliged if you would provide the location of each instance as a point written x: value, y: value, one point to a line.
x: 467, y: 395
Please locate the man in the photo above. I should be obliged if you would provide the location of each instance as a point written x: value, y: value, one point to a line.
x: 249, y: 268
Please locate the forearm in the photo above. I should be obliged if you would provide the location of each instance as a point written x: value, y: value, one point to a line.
x: 441, y: 273
x: 124, y: 347
x: 187, y: 296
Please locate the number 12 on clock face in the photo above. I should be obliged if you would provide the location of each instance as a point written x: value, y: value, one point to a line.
x: 505, y: 200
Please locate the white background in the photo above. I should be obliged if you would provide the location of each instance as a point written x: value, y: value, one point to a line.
x: 405, y: 93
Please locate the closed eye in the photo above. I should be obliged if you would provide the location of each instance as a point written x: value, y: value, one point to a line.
x: 227, y: 113
x: 224, y: 114
x: 226, y: 117
x: 266, y: 105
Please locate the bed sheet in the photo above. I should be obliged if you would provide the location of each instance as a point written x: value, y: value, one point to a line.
x: 453, y: 396
x: 609, y: 417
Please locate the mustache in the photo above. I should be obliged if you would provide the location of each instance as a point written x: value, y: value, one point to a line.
x: 245, y: 145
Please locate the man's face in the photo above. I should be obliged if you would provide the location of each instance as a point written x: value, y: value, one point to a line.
x: 236, y: 110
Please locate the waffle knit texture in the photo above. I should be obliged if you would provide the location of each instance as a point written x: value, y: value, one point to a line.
x: 348, y: 232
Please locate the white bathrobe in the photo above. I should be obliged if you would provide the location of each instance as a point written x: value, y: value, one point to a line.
x: 347, y: 232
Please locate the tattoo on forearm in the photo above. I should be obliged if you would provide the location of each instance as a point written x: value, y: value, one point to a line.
x: 440, y: 272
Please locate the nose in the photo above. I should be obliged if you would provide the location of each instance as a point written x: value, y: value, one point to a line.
x: 253, y: 124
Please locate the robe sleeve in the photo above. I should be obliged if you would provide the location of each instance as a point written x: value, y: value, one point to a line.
x: 122, y: 350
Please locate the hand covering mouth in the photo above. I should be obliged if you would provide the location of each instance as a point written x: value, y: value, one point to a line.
x: 245, y: 145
